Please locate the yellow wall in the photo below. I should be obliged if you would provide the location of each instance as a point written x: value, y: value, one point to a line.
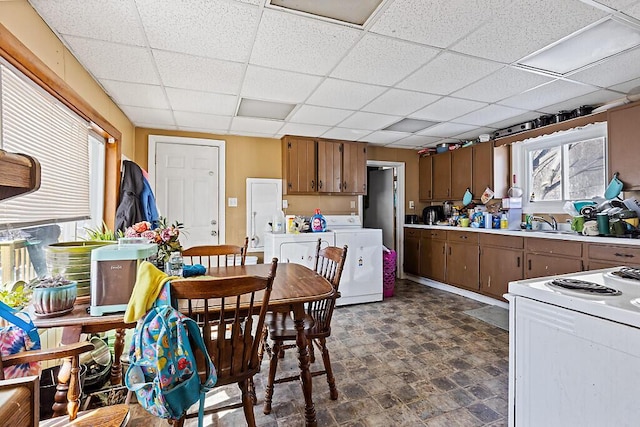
x: 23, y: 22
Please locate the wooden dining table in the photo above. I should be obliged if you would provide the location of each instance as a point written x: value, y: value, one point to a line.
x: 293, y: 286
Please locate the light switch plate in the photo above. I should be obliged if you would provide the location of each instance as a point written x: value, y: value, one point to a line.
x: 285, y: 204
x: 411, y: 204
x: 353, y: 204
x: 233, y: 202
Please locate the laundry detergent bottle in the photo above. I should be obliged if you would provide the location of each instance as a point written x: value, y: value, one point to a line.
x: 318, y: 223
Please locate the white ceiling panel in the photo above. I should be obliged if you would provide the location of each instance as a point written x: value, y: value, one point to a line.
x: 311, y: 114
x: 341, y: 94
x: 616, y: 4
x: 157, y: 126
x: 150, y: 116
x: 215, y: 29
x: 202, y: 102
x: 527, y: 26
x: 384, y: 137
x: 105, y: 60
x: 290, y: 42
x: 531, y: 115
x: 474, y: 134
x: 136, y: 94
x: 626, y: 86
x: 594, y: 98
x: 488, y: 115
x: 633, y: 11
x: 446, y: 129
x: 447, y: 109
x: 369, y: 121
x: 274, y: 85
x: 251, y: 124
x: 202, y: 121
x: 347, y: 134
x: 381, y: 60
x: 113, y: 21
x: 502, y: 84
x: 548, y: 94
x: 402, y: 102
x: 418, y: 141
x: 619, y: 69
x: 197, y: 73
x: 434, y: 22
x: 303, y: 129
x: 448, y: 73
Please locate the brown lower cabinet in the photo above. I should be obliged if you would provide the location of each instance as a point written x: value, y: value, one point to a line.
x: 605, y: 256
x: 462, y: 259
x: 412, y: 251
x: 548, y: 257
x: 432, y: 254
x: 501, y: 261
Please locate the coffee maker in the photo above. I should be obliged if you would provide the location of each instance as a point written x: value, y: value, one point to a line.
x: 431, y: 215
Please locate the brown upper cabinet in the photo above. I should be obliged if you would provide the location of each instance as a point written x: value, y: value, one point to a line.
x: 425, y: 185
x: 461, y: 171
x: 442, y: 176
x: 314, y: 165
x: 623, y: 125
x: 482, y: 169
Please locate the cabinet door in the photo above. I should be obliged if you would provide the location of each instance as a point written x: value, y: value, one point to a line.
x: 461, y: 172
x: 412, y: 251
x: 540, y: 265
x: 442, y: 176
x: 329, y: 166
x: 498, y: 267
x: 299, y: 165
x: 425, y: 188
x: 623, y: 126
x: 432, y: 257
x: 462, y: 265
x: 354, y: 168
x: 482, y: 168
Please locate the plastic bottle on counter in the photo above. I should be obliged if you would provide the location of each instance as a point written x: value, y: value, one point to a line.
x: 318, y: 223
x: 504, y: 221
x: 278, y: 223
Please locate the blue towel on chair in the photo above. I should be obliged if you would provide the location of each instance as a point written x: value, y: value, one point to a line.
x: 193, y: 270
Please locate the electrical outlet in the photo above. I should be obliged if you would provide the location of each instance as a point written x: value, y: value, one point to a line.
x: 353, y: 204
x: 285, y: 204
x: 233, y: 202
x: 411, y: 204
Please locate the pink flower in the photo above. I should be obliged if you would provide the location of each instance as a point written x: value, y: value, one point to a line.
x: 148, y: 234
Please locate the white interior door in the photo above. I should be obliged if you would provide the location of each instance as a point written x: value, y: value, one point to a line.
x: 187, y: 189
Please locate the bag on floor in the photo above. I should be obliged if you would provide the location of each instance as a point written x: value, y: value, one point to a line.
x: 19, y: 335
x: 162, y: 366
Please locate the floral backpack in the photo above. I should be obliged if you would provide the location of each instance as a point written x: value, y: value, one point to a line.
x: 19, y: 335
x: 162, y: 366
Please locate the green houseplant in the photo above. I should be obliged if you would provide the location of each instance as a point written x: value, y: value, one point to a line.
x: 53, y: 295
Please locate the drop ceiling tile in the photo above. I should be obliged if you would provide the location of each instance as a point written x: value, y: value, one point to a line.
x: 598, y: 97
x: 489, y: 114
x: 449, y: 72
x: 446, y: 130
x: 633, y: 11
x: 616, y: 4
x: 148, y: 115
x: 220, y: 29
x: 202, y: 102
x: 310, y: 114
x: 618, y: 69
x: 547, y: 94
x: 192, y: 72
x: 113, y: 21
x: 474, y: 133
x: 527, y: 26
x: 626, y: 86
x: 105, y: 60
x: 291, y: 42
x: 250, y: 124
x: 400, y: 146
x: 447, y: 109
x: 434, y: 22
x: 200, y: 120
x: 156, y: 126
x: 254, y: 2
x: 502, y: 84
x: 417, y: 141
x: 135, y: 94
x: 512, y: 121
x: 369, y: 121
x: 346, y: 134
x: 384, y: 137
x: 342, y: 94
x: 381, y: 60
x: 274, y: 85
x: 400, y: 102
x: 303, y: 129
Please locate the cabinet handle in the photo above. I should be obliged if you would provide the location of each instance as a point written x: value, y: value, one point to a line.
x: 518, y: 262
x: 290, y: 185
x: 429, y: 194
x: 449, y: 250
x: 319, y: 184
x: 345, y: 186
x: 443, y: 250
x: 624, y: 255
x: 364, y: 188
x: 313, y: 184
x: 529, y: 264
x: 340, y: 186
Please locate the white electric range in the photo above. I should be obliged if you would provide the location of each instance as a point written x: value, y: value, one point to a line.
x: 574, y: 354
x: 361, y: 279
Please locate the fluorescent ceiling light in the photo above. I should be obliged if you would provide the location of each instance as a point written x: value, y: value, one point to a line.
x: 589, y: 45
x: 264, y: 109
x: 352, y: 12
x: 410, y: 125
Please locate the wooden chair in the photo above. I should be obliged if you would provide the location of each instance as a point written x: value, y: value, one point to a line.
x: 216, y: 255
x: 226, y: 310
x: 22, y: 409
x: 280, y: 327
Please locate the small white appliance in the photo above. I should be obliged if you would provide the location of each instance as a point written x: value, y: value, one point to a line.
x: 113, y: 274
x: 361, y: 279
x: 574, y: 349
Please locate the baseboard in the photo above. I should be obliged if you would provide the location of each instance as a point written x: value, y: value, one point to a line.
x: 456, y: 290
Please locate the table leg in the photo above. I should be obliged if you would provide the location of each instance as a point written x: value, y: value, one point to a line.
x: 303, y: 364
x: 70, y: 335
x: 118, y: 347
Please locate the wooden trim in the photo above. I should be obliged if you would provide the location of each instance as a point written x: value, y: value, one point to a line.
x: 545, y: 130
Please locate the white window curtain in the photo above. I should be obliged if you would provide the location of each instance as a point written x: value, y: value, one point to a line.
x: 32, y: 122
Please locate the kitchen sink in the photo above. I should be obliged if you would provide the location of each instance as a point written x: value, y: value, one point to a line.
x: 559, y: 232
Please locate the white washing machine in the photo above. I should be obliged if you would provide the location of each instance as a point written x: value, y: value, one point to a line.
x: 296, y: 248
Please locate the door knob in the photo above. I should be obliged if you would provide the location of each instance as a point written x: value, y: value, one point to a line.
x: 214, y: 233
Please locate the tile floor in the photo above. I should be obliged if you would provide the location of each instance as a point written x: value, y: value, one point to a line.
x: 412, y: 360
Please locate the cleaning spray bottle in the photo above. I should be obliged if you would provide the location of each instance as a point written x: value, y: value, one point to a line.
x: 318, y: 223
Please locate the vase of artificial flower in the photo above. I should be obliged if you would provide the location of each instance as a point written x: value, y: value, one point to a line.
x: 167, y: 237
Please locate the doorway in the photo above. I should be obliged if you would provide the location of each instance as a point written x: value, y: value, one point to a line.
x: 187, y: 177
x: 383, y: 206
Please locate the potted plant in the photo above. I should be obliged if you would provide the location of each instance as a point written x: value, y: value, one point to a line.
x: 53, y: 295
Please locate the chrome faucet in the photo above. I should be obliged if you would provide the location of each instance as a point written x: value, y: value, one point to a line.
x: 553, y: 223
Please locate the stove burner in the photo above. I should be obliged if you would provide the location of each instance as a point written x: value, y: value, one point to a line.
x: 628, y: 273
x: 582, y: 286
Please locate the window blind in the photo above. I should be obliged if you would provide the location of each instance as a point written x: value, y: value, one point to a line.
x: 32, y: 122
